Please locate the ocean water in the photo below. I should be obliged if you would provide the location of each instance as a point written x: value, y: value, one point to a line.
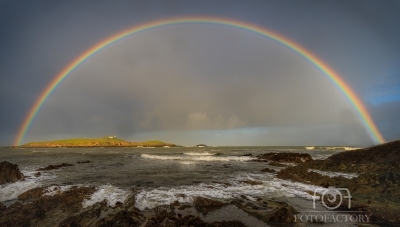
x: 159, y: 176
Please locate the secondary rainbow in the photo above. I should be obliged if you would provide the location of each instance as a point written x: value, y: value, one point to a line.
x: 313, y: 59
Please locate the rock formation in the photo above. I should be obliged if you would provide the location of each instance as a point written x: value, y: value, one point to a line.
x: 10, y: 173
x: 286, y: 157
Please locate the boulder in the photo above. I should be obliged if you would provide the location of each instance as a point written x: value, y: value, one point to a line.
x: 34, y: 193
x: 52, y: 167
x: 40, y: 211
x: 286, y: 157
x: 204, y: 205
x: 9, y: 173
x: 268, y: 170
x: 269, y: 211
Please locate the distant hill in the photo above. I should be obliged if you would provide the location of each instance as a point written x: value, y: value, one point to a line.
x: 108, y: 141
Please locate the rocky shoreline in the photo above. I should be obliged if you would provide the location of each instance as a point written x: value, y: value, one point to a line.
x: 64, y: 209
x: 374, y: 183
x: 372, y: 175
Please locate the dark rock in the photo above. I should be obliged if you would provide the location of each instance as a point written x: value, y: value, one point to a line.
x: 34, y: 193
x: 84, y: 217
x: 171, y: 214
x: 286, y: 157
x: 376, y: 189
x: 188, y: 220
x: 268, y: 170
x: 277, y: 164
x: 204, y: 204
x: 2, y: 208
x: 282, y: 215
x: 52, y: 167
x: 37, y: 174
x: 122, y: 218
x: 228, y: 224
x: 252, y: 182
x: 81, y: 162
x: 9, y: 173
x: 35, y: 213
x: 184, y: 206
x: 268, y: 211
x: 248, y: 154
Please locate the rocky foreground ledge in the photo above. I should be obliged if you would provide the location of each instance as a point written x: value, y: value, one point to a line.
x: 64, y: 209
x: 374, y: 181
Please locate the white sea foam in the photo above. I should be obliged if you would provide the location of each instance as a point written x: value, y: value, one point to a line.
x: 187, y: 163
x: 10, y: 191
x: 320, y: 156
x: 206, y: 158
x: 334, y: 174
x: 235, y: 188
x: 199, y: 153
x: 109, y: 193
x: 54, y: 190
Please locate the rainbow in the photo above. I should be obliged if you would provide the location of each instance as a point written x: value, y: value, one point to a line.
x: 306, y: 54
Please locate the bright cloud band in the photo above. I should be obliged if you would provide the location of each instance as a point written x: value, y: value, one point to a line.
x: 306, y: 54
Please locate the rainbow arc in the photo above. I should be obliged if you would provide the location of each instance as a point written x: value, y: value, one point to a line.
x: 306, y: 54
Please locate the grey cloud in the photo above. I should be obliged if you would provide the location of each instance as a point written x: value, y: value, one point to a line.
x: 149, y: 82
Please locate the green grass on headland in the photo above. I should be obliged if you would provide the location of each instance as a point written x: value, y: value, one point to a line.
x: 108, y: 141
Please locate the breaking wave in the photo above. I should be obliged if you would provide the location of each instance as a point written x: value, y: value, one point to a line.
x: 249, y: 185
x: 109, y: 193
x: 206, y: 158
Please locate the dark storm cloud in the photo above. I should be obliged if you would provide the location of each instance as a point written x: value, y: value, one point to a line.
x: 196, y: 78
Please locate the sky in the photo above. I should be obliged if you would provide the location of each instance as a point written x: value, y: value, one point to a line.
x: 200, y: 82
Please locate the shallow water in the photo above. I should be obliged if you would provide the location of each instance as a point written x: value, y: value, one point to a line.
x: 158, y: 175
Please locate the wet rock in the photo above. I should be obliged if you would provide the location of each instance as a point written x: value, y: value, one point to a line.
x: 286, y: 157
x: 81, y: 162
x: 268, y: 170
x: 184, y: 206
x: 122, y: 218
x: 161, y: 214
x: 37, y: 174
x: 277, y: 164
x: 123, y: 215
x: 204, y: 204
x: 376, y: 189
x: 248, y: 155
x: 188, y: 220
x: 228, y: 224
x: 282, y: 215
x: 251, y: 182
x: 52, y: 167
x: 2, y: 208
x: 45, y: 210
x: 10, y: 173
x: 84, y: 218
x: 34, y: 193
x: 268, y: 211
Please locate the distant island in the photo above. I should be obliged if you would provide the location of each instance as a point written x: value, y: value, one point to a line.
x: 108, y: 141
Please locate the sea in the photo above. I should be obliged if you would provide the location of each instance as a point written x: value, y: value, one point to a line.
x: 160, y: 176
